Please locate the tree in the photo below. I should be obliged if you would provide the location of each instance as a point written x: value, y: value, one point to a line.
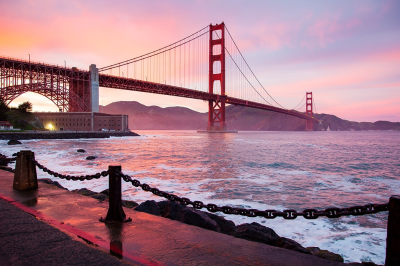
x: 2, y: 103
x: 25, y: 106
x: 3, y: 110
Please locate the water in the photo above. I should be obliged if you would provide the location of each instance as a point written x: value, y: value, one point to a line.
x: 263, y: 170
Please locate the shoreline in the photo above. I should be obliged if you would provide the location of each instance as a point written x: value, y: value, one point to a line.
x: 63, y: 135
x: 151, y: 240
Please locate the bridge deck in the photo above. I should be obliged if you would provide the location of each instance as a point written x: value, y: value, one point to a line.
x: 116, y: 82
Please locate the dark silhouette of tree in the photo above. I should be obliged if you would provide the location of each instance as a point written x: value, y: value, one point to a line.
x: 25, y: 106
x: 3, y: 110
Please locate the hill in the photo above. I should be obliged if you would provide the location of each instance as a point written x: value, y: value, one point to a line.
x: 143, y: 117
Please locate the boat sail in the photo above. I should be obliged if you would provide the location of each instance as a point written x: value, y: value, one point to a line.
x: 328, y: 129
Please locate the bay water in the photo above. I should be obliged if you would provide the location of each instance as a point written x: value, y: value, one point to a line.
x: 260, y: 170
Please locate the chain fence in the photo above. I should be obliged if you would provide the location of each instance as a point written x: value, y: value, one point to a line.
x: 269, y: 214
x: 70, y: 177
x: 289, y: 214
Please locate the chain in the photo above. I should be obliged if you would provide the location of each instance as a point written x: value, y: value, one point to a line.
x: 69, y: 177
x: 269, y: 214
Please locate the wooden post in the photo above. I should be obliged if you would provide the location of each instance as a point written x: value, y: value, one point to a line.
x: 393, y: 233
x: 25, y: 171
x: 115, y: 212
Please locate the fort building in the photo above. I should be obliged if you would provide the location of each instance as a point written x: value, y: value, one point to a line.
x: 83, y: 121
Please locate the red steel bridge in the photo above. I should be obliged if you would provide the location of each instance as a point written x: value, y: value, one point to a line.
x: 206, y: 65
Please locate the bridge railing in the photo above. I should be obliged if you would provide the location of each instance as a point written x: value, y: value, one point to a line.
x: 25, y: 178
x: 39, y: 63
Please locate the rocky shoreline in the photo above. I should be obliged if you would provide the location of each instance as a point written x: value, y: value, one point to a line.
x: 252, y: 232
x: 63, y: 135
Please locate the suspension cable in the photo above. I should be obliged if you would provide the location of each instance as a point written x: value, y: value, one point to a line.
x: 135, y: 58
x: 295, y: 108
x: 247, y: 79
x: 252, y: 70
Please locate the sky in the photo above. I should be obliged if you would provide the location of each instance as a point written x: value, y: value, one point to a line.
x: 346, y: 52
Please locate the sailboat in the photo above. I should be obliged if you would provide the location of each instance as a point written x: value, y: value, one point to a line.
x: 328, y: 129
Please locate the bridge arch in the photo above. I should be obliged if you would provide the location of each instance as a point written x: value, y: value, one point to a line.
x: 10, y: 93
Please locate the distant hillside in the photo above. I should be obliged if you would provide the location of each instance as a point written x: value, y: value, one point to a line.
x: 154, y: 117
x: 237, y: 117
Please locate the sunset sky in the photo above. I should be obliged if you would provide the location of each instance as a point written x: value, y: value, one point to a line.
x: 346, y: 52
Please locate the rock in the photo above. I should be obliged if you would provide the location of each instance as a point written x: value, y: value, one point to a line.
x: 178, y: 212
x: 14, y: 155
x: 364, y: 263
x: 91, y: 157
x: 14, y: 141
x: 85, y: 192
x: 149, y: 206
x: 5, y: 168
x: 51, y: 182
x: 325, y: 254
x: 129, y: 204
x: 292, y: 245
x: 3, y: 160
x: 257, y: 233
x: 99, y: 196
x: 106, y: 192
x: 80, y: 150
x: 226, y: 226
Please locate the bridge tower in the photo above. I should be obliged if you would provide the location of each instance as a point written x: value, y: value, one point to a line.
x: 216, y: 108
x: 84, y: 91
x: 309, y: 111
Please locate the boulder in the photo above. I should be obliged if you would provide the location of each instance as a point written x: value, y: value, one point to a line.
x: 5, y: 168
x: 176, y: 211
x: 106, y: 192
x: 3, y: 160
x: 51, y: 182
x: 85, y: 192
x: 364, y: 263
x: 226, y: 226
x: 325, y: 254
x: 91, y: 157
x: 13, y: 141
x: 292, y: 245
x: 80, y: 150
x: 99, y: 196
x: 257, y: 233
x: 129, y: 204
x: 149, y: 206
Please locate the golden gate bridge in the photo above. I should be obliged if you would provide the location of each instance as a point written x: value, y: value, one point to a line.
x: 206, y: 65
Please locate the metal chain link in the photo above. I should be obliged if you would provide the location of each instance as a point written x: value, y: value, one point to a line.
x: 69, y: 177
x: 269, y: 214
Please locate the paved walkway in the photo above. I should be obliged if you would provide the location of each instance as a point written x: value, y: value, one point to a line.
x: 25, y: 240
x: 147, y: 240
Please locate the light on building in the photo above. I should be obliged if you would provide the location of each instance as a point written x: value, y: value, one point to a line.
x: 50, y: 126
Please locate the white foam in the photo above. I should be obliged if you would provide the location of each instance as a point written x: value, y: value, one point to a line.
x: 238, y: 175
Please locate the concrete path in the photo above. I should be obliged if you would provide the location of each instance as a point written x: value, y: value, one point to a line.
x: 147, y: 240
x: 25, y: 240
